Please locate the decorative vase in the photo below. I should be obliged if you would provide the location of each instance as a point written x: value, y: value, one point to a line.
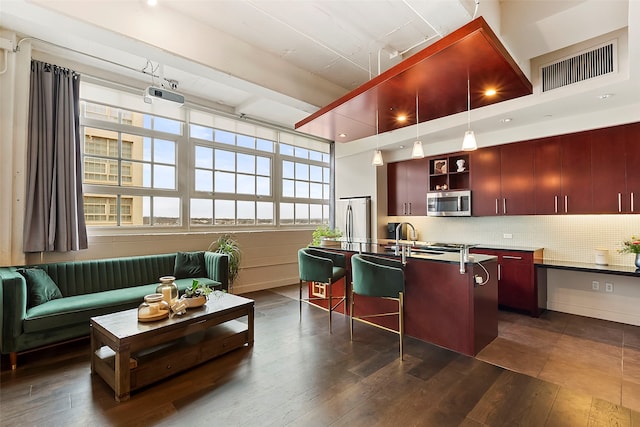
x: 638, y: 261
x: 168, y: 289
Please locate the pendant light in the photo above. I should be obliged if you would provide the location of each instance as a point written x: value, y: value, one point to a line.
x: 469, y: 141
x: 377, y: 155
x: 417, y: 152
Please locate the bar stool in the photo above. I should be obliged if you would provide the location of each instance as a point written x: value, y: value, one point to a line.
x: 323, y: 268
x: 381, y: 278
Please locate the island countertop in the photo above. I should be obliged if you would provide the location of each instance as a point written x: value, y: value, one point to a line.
x: 445, y: 304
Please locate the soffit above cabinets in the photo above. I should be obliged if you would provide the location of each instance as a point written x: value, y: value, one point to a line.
x: 437, y: 75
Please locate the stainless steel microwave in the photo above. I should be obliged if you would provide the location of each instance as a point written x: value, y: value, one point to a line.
x: 449, y: 203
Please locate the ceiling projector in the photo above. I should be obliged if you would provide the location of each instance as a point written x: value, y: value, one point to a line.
x: 162, y: 93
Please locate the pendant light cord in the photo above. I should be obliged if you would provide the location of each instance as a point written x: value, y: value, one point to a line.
x: 417, y: 118
x: 468, y: 105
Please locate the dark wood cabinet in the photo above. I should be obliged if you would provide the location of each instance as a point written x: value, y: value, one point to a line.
x: 450, y: 172
x: 547, y: 164
x: 576, y: 182
x: 563, y: 180
x: 517, y: 285
x: 485, y: 181
x: 503, y: 180
x: 608, y: 148
x: 407, y: 184
x: 631, y: 199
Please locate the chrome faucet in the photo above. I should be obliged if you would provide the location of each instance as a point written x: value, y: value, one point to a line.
x: 413, y: 235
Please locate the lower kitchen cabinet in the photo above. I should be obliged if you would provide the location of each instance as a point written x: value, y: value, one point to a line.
x: 518, y: 287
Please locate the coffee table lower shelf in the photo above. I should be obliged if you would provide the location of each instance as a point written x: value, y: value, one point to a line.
x: 162, y: 361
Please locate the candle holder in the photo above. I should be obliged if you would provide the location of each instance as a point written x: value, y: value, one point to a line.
x: 168, y: 289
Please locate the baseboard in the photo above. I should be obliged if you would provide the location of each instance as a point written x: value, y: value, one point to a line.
x: 261, y: 286
x: 628, y: 318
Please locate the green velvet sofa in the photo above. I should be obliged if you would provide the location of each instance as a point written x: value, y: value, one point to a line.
x: 89, y: 288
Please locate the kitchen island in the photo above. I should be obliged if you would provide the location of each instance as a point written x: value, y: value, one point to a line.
x: 443, y: 305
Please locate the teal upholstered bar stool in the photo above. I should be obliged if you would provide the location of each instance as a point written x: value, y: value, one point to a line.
x: 381, y: 278
x: 322, y: 269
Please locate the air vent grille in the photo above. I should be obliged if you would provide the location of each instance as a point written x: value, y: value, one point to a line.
x: 587, y: 65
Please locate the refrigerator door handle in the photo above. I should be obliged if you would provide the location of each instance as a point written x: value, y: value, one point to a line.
x: 348, y: 226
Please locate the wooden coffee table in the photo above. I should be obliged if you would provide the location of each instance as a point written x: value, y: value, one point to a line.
x: 128, y: 354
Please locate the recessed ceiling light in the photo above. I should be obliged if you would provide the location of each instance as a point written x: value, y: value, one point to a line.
x: 342, y: 135
x: 490, y: 92
x: 506, y: 120
x: 401, y: 118
x: 152, y: 2
x: 605, y: 96
x: 402, y: 146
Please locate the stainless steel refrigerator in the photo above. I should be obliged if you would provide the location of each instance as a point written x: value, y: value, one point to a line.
x: 353, y: 218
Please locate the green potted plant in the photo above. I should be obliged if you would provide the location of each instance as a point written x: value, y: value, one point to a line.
x: 226, y: 244
x: 196, y: 295
x: 324, y: 232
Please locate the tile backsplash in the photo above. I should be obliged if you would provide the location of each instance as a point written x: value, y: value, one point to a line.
x: 563, y: 237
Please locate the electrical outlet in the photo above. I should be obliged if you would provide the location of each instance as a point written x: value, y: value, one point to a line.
x: 608, y: 287
x: 507, y: 236
x: 595, y: 285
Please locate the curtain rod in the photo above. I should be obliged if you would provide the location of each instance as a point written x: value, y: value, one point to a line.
x: 240, y: 116
x: 17, y: 49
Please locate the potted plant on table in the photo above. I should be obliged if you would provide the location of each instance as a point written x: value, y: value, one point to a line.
x: 197, y: 294
x: 227, y: 245
x: 322, y: 234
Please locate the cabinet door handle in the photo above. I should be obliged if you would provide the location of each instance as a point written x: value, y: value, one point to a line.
x: 632, y: 210
x: 499, y: 272
x: 566, y: 203
x: 497, y: 207
x: 504, y: 206
x: 555, y: 203
x: 619, y: 202
x: 511, y: 257
x: 409, y: 208
x: 404, y: 209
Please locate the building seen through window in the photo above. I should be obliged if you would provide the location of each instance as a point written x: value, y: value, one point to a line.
x: 143, y: 169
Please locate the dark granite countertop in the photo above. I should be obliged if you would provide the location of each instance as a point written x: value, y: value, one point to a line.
x: 620, y: 270
x: 374, y: 248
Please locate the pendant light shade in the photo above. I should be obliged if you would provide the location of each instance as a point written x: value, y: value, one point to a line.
x: 377, y: 158
x: 469, y: 141
x: 377, y: 155
x: 417, y: 152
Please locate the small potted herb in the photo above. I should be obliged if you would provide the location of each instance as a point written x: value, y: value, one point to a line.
x: 322, y: 236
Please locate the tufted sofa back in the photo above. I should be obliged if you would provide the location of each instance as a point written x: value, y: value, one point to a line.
x: 85, y: 277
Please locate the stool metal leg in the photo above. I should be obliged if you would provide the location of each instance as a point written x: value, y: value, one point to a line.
x: 329, y: 290
x: 401, y: 323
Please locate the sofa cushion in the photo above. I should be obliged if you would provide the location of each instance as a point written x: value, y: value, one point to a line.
x: 40, y: 287
x: 189, y: 264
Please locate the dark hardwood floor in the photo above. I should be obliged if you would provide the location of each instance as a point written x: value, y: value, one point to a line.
x: 297, y: 374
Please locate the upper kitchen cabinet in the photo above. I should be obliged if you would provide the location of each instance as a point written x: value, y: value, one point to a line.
x: 485, y: 181
x: 407, y: 184
x: 563, y: 183
x: 450, y: 172
x: 547, y: 165
x: 632, y: 163
x: 608, y: 148
x: 577, y: 194
x: 502, y: 180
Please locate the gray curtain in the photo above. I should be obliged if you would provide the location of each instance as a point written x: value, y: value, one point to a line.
x: 54, y: 219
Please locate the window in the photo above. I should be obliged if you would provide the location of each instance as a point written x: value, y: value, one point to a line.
x: 195, y: 169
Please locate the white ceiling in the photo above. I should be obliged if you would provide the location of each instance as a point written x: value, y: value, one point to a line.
x: 279, y: 61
